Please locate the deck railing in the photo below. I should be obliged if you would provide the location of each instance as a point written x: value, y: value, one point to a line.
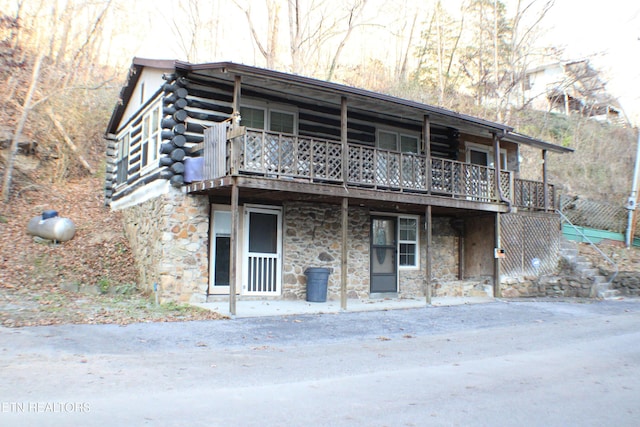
x: 292, y: 157
x: 531, y: 195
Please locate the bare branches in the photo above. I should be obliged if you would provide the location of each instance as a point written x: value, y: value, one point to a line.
x: 354, y: 14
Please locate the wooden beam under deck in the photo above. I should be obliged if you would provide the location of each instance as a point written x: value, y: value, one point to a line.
x: 331, y: 191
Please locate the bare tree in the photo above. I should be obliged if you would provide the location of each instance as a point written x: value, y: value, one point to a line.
x: 441, y: 40
x: 268, y: 47
x: 352, y: 22
x: 520, y: 50
x: 26, y: 109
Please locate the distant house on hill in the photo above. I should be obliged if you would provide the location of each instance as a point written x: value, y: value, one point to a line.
x: 571, y: 87
x: 234, y: 180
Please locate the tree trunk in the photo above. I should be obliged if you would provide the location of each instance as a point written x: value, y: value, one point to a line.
x: 26, y: 108
x: 69, y: 142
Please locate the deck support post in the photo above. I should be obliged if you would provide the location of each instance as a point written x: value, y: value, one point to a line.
x: 496, y: 260
x: 345, y: 253
x: 233, y: 248
x: 428, y: 226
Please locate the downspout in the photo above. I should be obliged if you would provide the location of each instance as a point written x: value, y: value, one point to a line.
x: 498, y: 180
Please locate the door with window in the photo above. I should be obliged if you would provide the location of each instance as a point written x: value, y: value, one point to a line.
x: 220, y: 252
x: 384, y: 265
x: 263, y: 248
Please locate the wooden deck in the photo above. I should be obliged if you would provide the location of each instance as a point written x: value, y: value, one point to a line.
x: 293, y: 159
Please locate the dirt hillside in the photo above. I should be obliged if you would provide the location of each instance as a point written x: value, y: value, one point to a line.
x: 89, y: 279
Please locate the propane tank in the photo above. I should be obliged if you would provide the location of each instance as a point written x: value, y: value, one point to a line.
x: 51, y: 227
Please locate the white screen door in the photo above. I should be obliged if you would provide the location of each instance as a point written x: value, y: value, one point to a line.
x: 263, y: 247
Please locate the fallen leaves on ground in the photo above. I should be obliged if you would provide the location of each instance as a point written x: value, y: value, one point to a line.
x: 89, y: 279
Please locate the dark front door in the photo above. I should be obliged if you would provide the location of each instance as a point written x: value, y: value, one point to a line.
x: 383, y: 255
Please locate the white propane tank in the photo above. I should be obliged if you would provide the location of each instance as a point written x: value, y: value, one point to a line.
x: 55, y: 228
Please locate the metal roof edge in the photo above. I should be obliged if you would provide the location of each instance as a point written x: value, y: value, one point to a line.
x: 337, y: 87
x: 519, y: 138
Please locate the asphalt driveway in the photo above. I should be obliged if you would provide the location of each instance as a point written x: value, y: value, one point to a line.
x: 500, y: 363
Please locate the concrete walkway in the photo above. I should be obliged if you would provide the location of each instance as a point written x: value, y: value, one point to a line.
x: 260, y: 308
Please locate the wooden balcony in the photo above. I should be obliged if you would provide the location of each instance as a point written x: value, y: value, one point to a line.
x: 312, y: 160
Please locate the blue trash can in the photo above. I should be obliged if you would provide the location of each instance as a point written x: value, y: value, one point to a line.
x: 317, y: 279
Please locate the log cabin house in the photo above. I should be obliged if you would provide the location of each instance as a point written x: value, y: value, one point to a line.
x: 233, y: 180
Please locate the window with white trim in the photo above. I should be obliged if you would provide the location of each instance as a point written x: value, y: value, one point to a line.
x: 122, y: 161
x: 482, y: 155
x: 150, y: 137
x: 408, y: 241
x: 396, y: 141
x: 274, y: 120
x: 252, y: 117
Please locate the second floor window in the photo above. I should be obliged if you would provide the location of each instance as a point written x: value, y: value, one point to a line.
x: 268, y: 119
x: 388, y: 140
x: 122, y: 162
x: 150, y: 137
x: 483, y: 156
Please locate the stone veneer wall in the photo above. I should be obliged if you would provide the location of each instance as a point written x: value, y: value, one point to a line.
x: 169, y: 236
x: 313, y: 238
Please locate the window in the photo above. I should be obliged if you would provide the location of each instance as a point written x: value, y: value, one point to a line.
x: 150, y: 137
x: 388, y: 140
x: 278, y: 121
x: 408, y: 241
x: 252, y: 117
x: 408, y: 144
x: 122, y: 161
x: 281, y: 122
x: 483, y: 155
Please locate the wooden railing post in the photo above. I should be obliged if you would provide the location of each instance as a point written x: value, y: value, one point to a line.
x: 426, y: 143
x: 344, y: 139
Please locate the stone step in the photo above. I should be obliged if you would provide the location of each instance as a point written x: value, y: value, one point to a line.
x: 582, y: 266
x: 572, y: 255
x: 609, y: 294
x: 600, y: 279
x: 589, y: 272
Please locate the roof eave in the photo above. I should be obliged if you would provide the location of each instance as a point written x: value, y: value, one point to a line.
x: 536, y: 143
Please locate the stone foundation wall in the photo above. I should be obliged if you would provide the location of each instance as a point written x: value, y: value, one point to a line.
x: 169, y: 236
x: 548, y: 286
x: 628, y: 283
x: 313, y: 238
